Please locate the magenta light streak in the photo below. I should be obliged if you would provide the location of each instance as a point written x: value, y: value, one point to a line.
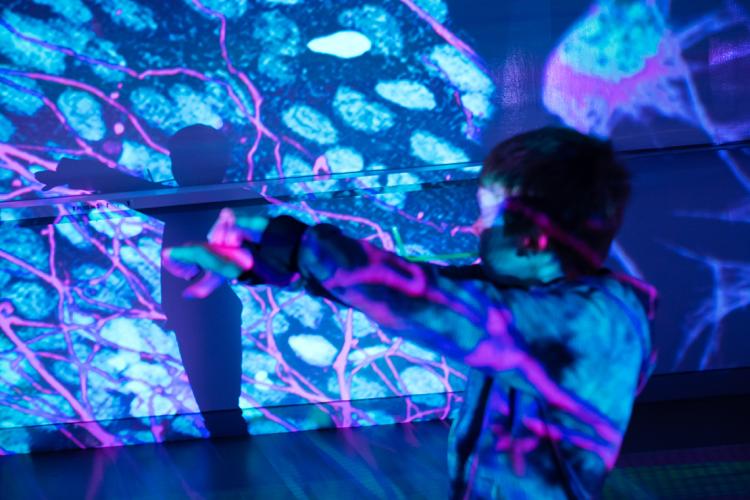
x: 6, y: 322
x: 101, y: 95
x: 292, y: 382
x: 251, y: 88
x: 257, y: 98
x: 446, y: 34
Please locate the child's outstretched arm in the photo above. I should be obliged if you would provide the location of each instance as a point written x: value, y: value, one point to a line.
x: 414, y: 300
x: 518, y: 334
x: 470, y: 320
x: 535, y: 339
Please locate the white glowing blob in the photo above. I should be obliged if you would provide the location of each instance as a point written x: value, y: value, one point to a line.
x: 345, y: 44
x: 490, y: 201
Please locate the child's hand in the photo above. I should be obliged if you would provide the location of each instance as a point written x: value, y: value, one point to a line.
x: 218, y: 263
x: 225, y: 257
x: 233, y: 229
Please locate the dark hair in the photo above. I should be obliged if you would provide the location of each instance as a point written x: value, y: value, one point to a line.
x: 567, y: 181
x: 200, y: 155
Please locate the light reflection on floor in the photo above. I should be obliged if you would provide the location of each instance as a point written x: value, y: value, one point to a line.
x: 400, y: 461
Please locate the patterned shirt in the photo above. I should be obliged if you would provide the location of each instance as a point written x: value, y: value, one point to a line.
x: 554, y: 367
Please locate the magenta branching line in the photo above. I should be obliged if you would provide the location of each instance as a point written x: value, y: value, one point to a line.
x: 255, y: 94
x: 471, y: 128
x: 257, y: 99
x: 68, y: 82
x: 446, y: 34
x: 269, y: 415
x: 299, y: 147
x: 339, y: 366
x: 6, y: 322
x: 383, y: 235
x: 580, y: 248
x: 17, y: 158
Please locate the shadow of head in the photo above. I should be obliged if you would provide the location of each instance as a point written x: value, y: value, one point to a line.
x: 200, y: 155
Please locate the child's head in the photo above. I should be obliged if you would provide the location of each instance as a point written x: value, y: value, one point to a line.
x: 200, y: 155
x: 550, y: 197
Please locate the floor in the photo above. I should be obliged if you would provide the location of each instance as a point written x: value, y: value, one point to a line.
x: 398, y: 461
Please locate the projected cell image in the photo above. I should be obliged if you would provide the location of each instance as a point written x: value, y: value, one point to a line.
x: 85, y: 337
x: 299, y: 88
x: 341, y: 85
x: 629, y: 62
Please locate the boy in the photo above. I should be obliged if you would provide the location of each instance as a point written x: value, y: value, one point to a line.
x: 557, y: 346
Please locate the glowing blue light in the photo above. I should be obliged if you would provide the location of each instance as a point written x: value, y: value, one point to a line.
x: 359, y: 113
x: 14, y: 99
x: 194, y: 107
x: 283, y: 2
x: 344, y: 160
x: 461, y: 72
x: 345, y: 44
x: 405, y: 93
x: 303, y: 308
x: 73, y: 10
x: 478, y: 104
x: 31, y: 299
x: 419, y: 380
x: 361, y: 388
x: 615, y: 41
x: 25, y: 54
x: 84, y: 113
x: 139, y: 335
x: 228, y: 8
x: 310, y: 124
x: 377, y: 25
x: 6, y: 128
x: 313, y: 349
x: 135, y: 156
x: 434, y: 150
x: 129, y: 14
x: 436, y: 8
